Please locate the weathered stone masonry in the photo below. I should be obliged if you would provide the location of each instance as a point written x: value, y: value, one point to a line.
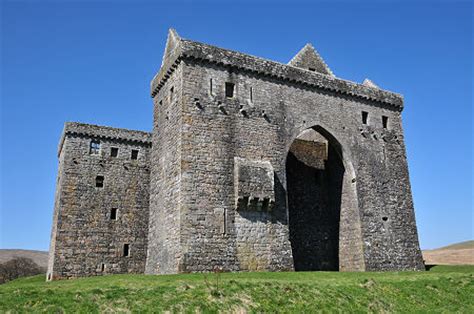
x: 87, y: 237
x: 254, y: 165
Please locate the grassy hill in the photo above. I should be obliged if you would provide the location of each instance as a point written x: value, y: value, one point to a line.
x: 459, y: 246
x: 39, y: 257
x: 455, y: 254
x: 442, y: 289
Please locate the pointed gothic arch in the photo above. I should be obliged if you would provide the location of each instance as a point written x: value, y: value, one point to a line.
x: 323, y: 213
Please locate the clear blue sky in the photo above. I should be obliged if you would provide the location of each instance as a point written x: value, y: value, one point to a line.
x: 93, y: 62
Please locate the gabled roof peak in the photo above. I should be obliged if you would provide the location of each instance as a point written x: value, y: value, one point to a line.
x: 369, y: 83
x: 171, y: 43
x: 308, y: 58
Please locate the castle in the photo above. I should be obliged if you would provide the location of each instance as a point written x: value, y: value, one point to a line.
x: 252, y: 165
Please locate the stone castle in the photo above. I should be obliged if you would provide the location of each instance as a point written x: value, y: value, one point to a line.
x: 252, y: 165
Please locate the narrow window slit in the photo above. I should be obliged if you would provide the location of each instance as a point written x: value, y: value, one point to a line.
x: 126, y: 250
x: 113, y: 214
x: 224, y: 227
x: 385, y: 122
x: 365, y: 116
x: 229, y: 90
x: 171, y: 94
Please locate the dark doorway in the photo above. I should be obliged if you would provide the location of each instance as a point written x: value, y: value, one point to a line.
x: 314, y: 173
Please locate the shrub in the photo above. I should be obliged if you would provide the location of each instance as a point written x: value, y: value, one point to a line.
x: 19, y: 267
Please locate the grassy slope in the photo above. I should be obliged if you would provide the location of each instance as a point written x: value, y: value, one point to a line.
x: 443, y: 288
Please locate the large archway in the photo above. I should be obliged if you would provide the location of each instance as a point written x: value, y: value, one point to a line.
x: 322, y: 206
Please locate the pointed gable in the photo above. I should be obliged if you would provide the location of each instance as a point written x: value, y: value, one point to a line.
x: 309, y: 59
x: 171, y: 43
x: 369, y: 83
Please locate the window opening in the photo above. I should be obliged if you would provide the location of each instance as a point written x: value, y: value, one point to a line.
x: 229, y: 90
x: 171, y: 94
x: 365, y: 116
x: 134, y: 154
x: 126, y: 250
x: 113, y: 152
x: 99, y: 181
x: 94, y: 147
x: 113, y: 214
x: 385, y: 122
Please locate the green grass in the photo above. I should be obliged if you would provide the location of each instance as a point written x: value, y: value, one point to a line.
x: 442, y: 289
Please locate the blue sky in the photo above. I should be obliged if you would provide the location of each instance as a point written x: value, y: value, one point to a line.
x: 93, y: 61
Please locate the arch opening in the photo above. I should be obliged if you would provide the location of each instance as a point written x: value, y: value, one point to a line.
x: 321, y: 197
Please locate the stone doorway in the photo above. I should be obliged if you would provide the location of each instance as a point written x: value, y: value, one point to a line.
x: 315, y: 175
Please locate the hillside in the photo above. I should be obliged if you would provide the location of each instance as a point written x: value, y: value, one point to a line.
x: 442, y: 289
x: 455, y: 254
x: 460, y: 245
x: 39, y: 257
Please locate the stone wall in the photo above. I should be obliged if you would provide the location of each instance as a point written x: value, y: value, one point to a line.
x: 259, y: 124
x: 255, y: 165
x: 164, y: 250
x: 86, y: 238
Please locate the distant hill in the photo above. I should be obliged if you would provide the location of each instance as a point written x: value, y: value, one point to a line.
x: 455, y: 254
x: 39, y: 257
x: 460, y: 245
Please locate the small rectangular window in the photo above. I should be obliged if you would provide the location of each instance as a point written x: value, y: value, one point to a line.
x: 102, y: 267
x: 312, y: 69
x: 113, y: 214
x: 94, y: 147
x: 365, y: 116
x: 385, y: 122
x: 171, y: 94
x: 210, y: 87
x: 229, y: 90
x: 99, y: 181
x: 126, y: 250
x: 113, y: 152
x: 134, y: 154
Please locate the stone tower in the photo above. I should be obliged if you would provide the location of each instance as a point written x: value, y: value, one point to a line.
x: 258, y: 165
x: 252, y: 165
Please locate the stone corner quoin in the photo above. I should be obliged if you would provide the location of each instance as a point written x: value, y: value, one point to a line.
x: 252, y: 165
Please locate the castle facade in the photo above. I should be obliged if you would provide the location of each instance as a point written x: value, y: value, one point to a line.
x: 252, y: 165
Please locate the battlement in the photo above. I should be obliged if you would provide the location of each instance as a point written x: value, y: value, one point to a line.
x: 104, y: 132
x: 179, y: 49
